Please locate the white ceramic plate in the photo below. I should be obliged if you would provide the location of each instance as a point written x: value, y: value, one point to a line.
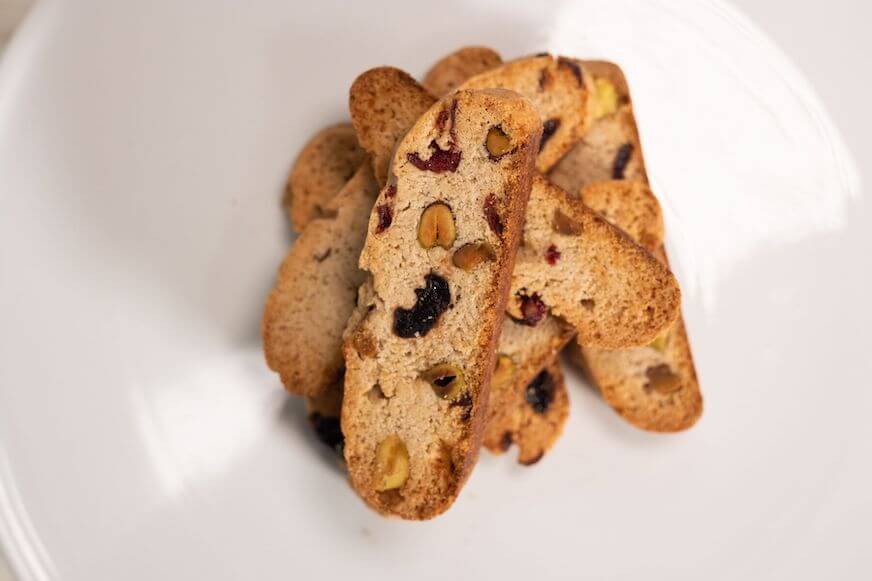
x: 143, y: 148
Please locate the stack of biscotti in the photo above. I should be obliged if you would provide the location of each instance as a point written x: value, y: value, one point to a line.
x: 465, y: 294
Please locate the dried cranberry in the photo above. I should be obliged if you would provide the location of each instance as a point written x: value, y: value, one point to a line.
x: 549, y: 128
x: 572, y: 66
x: 441, y: 160
x: 385, y: 217
x: 391, y: 192
x: 492, y: 215
x: 622, y: 158
x: 540, y: 392
x: 328, y: 430
x: 533, y: 309
x: 431, y: 302
x: 552, y: 255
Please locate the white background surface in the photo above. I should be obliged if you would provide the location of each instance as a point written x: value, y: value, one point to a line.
x: 829, y: 43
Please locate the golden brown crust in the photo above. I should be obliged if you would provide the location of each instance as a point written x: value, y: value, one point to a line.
x: 327, y: 161
x: 443, y: 159
x: 453, y: 69
x: 379, y: 127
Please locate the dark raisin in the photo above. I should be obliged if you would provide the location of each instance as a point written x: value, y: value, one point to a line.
x: 431, y: 302
x: 464, y: 401
x: 572, y: 66
x: 506, y: 441
x: 540, y: 392
x: 328, y: 430
x: 622, y: 158
x: 391, y: 192
x: 533, y: 309
x: 492, y: 215
x: 385, y: 217
x: 549, y: 128
x: 552, y: 255
x: 441, y: 160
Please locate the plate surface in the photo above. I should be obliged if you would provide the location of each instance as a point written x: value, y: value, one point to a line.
x: 143, y: 148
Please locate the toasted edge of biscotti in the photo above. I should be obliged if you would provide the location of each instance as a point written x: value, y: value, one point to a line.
x: 384, y: 103
x: 324, y: 165
x: 315, y: 290
x: 445, y: 160
x: 453, y: 69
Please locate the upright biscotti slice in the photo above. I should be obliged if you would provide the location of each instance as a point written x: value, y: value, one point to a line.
x: 420, y: 349
x: 453, y: 69
x: 315, y: 292
x: 589, y: 273
x: 610, y: 149
x: 654, y: 387
x: 528, y: 403
x: 557, y: 88
x: 380, y: 125
x: 325, y: 164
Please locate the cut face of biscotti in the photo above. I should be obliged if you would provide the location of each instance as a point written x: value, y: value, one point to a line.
x: 440, y: 248
x: 558, y: 89
x: 315, y: 292
x: 323, y: 166
x: 629, y: 205
x: 610, y: 149
x: 452, y: 70
x: 384, y: 103
x: 654, y: 387
x: 578, y: 266
x: 528, y: 401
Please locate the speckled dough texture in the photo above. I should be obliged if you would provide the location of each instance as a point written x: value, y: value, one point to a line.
x: 385, y: 394
x: 654, y: 387
x: 325, y: 164
x: 315, y: 291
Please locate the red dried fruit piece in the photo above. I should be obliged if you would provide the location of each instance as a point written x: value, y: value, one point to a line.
x: 552, y: 255
x: 549, y: 128
x: 441, y: 160
x: 622, y: 158
x: 572, y: 66
x: 391, y: 192
x: 532, y: 308
x: 492, y: 215
x: 385, y: 217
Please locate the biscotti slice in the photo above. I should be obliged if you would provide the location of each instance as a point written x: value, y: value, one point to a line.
x: 528, y: 402
x: 452, y: 70
x: 315, y: 292
x: 581, y: 268
x: 557, y: 87
x: 324, y: 165
x: 654, y: 387
x: 610, y: 149
x: 381, y: 124
x: 420, y: 350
